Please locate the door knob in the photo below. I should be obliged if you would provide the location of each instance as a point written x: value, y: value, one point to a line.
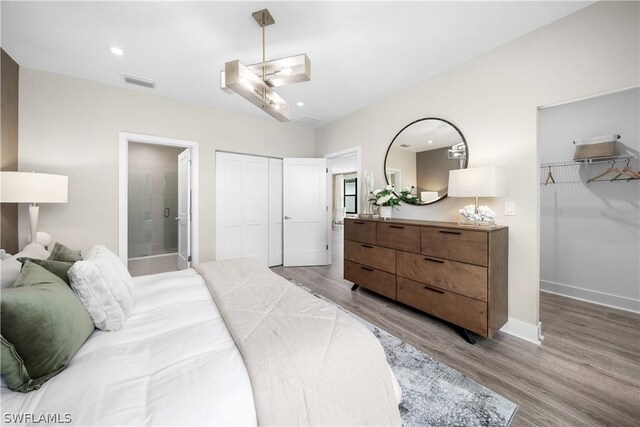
x: 287, y: 217
x: 177, y: 218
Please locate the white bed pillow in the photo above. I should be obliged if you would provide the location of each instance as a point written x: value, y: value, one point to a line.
x: 105, y: 287
x: 10, y: 267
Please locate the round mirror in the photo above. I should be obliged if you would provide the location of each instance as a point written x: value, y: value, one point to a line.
x: 420, y: 157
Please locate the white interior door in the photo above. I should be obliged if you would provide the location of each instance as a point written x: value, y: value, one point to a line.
x: 305, y: 212
x: 242, y: 207
x: 275, y: 212
x: 184, y: 209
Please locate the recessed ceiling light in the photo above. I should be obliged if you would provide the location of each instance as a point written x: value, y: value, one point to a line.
x: 116, y: 51
x: 300, y: 104
x: 429, y: 142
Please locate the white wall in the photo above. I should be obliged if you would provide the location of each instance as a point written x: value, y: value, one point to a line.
x: 70, y: 126
x: 493, y: 99
x: 344, y: 164
x: 590, y: 233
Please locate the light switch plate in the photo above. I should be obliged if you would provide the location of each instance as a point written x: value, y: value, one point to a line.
x: 510, y: 208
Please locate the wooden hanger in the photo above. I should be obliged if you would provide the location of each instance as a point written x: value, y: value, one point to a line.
x: 610, y: 169
x: 549, y: 177
x: 627, y: 171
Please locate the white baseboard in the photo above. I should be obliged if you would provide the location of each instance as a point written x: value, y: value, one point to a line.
x: 522, y: 330
x: 601, y: 298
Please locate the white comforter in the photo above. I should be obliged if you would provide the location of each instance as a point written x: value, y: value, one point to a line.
x: 310, y: 362
x: 173, y: 363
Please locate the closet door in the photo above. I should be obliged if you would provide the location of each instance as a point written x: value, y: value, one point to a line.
x: 242, y: 207
x: 275, y: 212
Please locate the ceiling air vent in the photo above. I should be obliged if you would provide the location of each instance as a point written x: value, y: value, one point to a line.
x: 139, y: 81
x: 309, y: 121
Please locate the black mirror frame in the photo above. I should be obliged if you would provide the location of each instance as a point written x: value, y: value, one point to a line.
x: 466, y: 146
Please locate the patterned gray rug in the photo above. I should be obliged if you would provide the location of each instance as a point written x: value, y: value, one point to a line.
x: 433, y: 394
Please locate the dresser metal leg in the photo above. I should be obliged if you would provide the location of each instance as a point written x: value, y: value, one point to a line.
x: 354, y: 287
x: 468, y: 336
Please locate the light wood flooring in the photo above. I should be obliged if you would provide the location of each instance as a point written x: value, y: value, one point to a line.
x: 586, y: 372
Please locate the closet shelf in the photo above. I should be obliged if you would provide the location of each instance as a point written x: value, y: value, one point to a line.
x: 588, y: 161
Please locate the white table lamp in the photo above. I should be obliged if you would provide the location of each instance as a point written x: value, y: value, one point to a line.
x: 32, y: 187
x: 488, y: 181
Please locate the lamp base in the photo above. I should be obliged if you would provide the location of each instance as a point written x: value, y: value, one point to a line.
x: 33, y: 221
x: 470, y: 223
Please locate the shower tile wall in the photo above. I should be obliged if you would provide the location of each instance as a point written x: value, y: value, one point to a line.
x: 153, y: 199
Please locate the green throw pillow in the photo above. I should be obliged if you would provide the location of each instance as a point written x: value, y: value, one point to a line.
x: 62, y: 253
x: 43, y: 325
x: 59, y: 268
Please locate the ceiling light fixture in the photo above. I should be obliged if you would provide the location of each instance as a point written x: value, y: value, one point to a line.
x: 255, y: 82
x: 300, y: 104
x: 116, y: 51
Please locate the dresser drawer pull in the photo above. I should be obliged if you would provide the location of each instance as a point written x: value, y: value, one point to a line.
x: 396, y: 226
x: 366, y: 268
x: 438, y: 291
x: 359, y: 222
x: 449, y: 232
x: 367, y: 246
x: 434, y: 260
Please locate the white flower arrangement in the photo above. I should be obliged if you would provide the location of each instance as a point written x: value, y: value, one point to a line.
x: 384, y: 197
x: 407, y: 197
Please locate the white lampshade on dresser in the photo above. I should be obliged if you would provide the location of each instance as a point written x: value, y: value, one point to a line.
x: 33, y: 188
x: 487, y: 181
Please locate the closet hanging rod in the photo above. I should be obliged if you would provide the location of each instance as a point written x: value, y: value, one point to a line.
x: 588, y: 161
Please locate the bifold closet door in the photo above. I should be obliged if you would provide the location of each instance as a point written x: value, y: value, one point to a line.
x: 305, y: 212
x: 275, y: 212
x: 242, y: 207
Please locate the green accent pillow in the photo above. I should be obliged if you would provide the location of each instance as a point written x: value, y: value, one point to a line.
x: 59, y: 268
x: 62, y: 253
x: 43, y: 325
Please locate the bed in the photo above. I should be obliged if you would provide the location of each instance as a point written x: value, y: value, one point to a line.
x: 179, y: 361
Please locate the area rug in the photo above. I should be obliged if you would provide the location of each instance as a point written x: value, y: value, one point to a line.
x: 433, y: 394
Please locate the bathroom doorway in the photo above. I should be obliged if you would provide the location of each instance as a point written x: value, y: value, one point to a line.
x: 153, y: 207
x: 158, y: 204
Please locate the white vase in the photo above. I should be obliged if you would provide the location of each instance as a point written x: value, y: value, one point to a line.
x: 385, y: 212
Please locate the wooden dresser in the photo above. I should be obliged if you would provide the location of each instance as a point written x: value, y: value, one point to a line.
x: 455, y: 273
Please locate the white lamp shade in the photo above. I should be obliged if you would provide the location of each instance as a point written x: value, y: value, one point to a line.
x: 32, y: 187
x: 488, y: 181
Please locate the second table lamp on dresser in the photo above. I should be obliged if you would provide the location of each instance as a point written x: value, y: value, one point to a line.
x: 487, y: 181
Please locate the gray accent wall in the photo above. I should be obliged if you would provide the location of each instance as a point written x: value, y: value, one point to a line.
x: 433, y: 168
x: 9, y: 71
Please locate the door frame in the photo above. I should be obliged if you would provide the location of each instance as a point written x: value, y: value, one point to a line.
x: 330, y: 157
x: 124, y: 139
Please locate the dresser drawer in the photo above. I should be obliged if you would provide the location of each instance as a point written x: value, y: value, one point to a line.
x: 459, y: 245
x: 371, y: 278
x: 466, y: 312
x: 370, y: 255
x: 399, y: 236
x: 465, y: 279
x: 360, y: 231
